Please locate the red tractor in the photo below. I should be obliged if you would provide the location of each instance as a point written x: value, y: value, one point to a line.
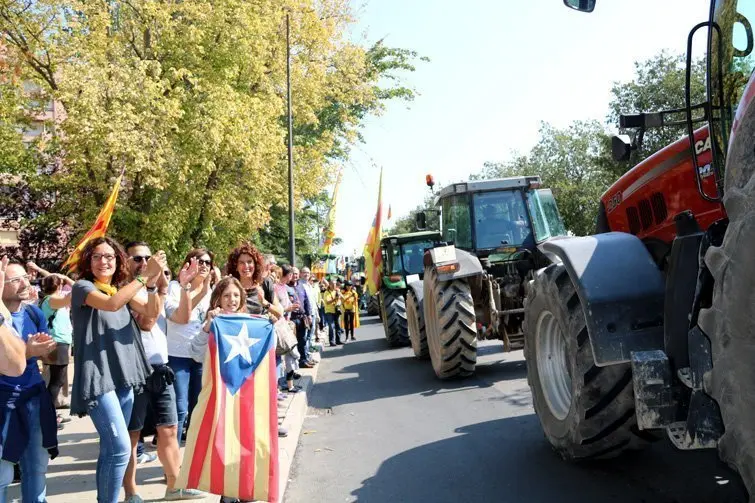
x: 648, y: 326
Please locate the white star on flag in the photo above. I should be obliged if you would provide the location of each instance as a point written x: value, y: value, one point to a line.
x: 240, y: 345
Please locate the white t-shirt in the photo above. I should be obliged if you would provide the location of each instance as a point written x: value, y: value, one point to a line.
x: 180, y: 336
x: 154, y: 341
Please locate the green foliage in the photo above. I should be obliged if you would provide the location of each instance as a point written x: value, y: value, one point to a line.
x: 576, y: 161
x: 658, y: 85
x: 407, y: 223
x: 189, y: 98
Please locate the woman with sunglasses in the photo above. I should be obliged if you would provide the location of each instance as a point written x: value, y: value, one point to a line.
x: 109, y: 358
x: 186, y: 306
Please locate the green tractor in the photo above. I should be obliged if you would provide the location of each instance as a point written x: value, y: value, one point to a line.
x: 474, y: 282
x: 402, y: 259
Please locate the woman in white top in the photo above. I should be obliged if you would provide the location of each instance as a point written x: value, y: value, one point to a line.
x: 186, y: 308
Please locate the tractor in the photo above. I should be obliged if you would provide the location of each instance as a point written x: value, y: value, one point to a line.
x: 402, y: 256
x: 647, y: 327
x: 473, y: 284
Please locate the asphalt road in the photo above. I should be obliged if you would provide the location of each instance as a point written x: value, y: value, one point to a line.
x: 382, y: 428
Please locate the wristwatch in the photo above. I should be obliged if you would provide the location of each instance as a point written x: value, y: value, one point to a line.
x: 186, y: 288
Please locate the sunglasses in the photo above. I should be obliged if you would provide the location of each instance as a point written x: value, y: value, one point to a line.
x: 139, y: 259
x: 204, y: 262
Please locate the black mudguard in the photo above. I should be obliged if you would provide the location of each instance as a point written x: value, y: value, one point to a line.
x: 621, y: 291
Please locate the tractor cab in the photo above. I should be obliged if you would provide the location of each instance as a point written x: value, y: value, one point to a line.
x: 402, y: 256
x: 499, y: 220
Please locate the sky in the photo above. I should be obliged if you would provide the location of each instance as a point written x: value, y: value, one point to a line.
x: 497, y: 69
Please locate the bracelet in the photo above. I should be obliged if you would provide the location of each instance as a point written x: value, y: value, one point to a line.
x: 141, y: 280
x: 151, y: 289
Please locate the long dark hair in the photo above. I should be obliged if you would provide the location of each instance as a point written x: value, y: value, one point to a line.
x: 198, y: 252
x: 50, y: 284
x: 121, y: 275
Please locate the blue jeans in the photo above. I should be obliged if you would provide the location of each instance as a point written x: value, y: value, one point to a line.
x: 111, y: 416
x: 334, y: 333
x: 33, y: 462
x: 188, y: 384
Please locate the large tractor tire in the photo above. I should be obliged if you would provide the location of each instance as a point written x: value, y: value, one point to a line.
x: 450, y: 325
x: 585, y: 411
x: 373, y: 305
x: 730, y: 321
x: 393, y: 307
x: 415, y: 318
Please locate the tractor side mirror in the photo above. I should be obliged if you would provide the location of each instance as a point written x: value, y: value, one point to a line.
x: 621, y: 147
x: 581, y: 5
x: 420, y: 221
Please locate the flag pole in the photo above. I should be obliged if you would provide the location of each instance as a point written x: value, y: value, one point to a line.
x: 291, y: 235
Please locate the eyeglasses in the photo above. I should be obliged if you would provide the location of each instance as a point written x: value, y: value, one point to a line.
x: 139, y: 259
x: 204, y: 262
x: 16, y: 280
x: 107, y: 256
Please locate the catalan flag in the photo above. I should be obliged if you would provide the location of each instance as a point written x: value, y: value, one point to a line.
x: 232, y: 443
x: 373, y: 259
x: 98, y: 229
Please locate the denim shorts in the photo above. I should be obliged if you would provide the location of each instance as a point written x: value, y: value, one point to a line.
x: 160, y: 405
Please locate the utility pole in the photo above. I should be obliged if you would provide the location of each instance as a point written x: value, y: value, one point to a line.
x: 291, y: 238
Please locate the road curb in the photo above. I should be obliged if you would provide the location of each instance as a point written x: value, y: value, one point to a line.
x: 294, y: 422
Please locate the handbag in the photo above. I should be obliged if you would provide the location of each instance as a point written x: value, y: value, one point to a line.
x: 285, y: 336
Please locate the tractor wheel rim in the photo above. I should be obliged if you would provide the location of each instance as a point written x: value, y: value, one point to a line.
x: 552, y: 365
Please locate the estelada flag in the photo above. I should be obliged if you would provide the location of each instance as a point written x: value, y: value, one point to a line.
x: 232, y: 442
x: 98, y: 229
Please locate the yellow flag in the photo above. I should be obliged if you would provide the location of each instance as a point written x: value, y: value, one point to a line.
x: 98, y: 229
x: 373, y: 259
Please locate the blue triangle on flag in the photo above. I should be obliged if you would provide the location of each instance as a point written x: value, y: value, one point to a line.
x: 242, y: 342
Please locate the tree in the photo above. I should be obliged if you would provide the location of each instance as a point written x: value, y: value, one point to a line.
x: 658, y: 84
x: 569, y: 162
x: 407, y: 223
x: 576, y: 161
x: 189, y: 99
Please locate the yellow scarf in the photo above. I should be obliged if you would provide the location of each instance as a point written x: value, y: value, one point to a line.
x: 106, y: 288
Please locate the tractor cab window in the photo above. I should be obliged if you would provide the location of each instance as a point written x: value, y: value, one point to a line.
x: 546, y: 219
x: 500, y: 219
x: 735, y: 45
x: 394, y: 259
x: 457, y: 224
x: 412, y: 255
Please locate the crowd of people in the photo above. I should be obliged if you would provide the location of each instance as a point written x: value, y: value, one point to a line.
x: 136, y: 337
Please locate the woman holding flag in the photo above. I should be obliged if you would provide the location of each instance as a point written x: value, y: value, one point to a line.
x: 109, y: 359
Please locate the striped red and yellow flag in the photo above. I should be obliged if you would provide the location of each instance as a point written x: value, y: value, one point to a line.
x: 232, y: 443
x: 373, y: 264
x: 98, y: 229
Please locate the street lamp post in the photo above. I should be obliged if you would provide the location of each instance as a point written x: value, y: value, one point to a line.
x: 291, y: 238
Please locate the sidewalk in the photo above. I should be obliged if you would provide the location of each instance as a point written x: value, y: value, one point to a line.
x: 71, y: 476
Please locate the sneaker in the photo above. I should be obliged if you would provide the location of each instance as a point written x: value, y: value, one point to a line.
x: 134, y: 498
x: 64, y: 420
x: 183, y: 494
x: 146, y: 457
x: 282, y: 432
